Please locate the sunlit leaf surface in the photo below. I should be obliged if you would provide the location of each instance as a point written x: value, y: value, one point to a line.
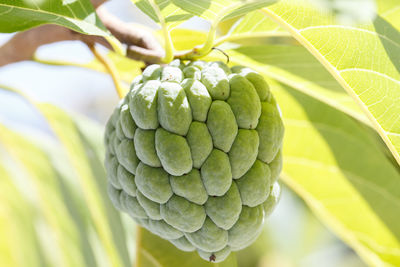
x: 78, y: 15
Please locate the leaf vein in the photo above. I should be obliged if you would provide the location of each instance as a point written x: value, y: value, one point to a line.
x: 370, y: 71
x: 350, y: 28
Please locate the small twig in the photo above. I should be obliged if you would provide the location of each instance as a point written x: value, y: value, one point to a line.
x: 142, y: 45
x: 111, y: 69
x: 223, y: 52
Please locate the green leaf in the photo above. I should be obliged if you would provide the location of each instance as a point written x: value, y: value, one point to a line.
x: 77, y: 15
x: 363, y: 59
x: 220, y: 9
x: 153, y: 251
x: 254, y: 26
x: 178, y: 11
x: 337, y: 166
x: 254, y: 23
x: 173, y: 15
x: 185, y: 39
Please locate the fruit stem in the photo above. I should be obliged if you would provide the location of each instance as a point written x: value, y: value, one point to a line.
x: 168, y: 46
x: 111, y: 69
x: 116, y: 45
x: 208, y: 46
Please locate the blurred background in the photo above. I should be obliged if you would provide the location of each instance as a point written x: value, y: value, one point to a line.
x: 292, y: 236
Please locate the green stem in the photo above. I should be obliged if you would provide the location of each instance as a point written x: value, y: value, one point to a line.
x: 56, y: 62
x: 111, y: 69
x: 168, y: 46
x: 208, y: 45
x: 197, y: 53
x: 116, y: 45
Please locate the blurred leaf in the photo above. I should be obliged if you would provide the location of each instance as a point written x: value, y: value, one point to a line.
x: 78, y: 15
x: 90, y: 170
x: 335, y: 164
x: 85, y: 199
x: 37, y: 168
x: 154, y: 251
x: 15, y: 208
x: 363, y: 59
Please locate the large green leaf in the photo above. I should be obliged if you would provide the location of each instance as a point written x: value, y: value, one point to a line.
x: 363, y: 59
x: 153, y: 251
x: 78, y: 15
x: 337, y: 166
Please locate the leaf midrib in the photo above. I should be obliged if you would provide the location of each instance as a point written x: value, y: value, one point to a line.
x: 352, y: 29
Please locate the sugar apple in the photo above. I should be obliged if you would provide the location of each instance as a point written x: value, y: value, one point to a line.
x: 193, y: 154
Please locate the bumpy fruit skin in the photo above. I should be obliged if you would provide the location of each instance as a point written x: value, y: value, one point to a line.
x: 193, y: 154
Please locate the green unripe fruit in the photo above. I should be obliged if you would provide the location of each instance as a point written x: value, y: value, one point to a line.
x: 193, y: 154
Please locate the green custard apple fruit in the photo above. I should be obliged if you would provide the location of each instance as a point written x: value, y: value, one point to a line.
x: 194, y: 154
